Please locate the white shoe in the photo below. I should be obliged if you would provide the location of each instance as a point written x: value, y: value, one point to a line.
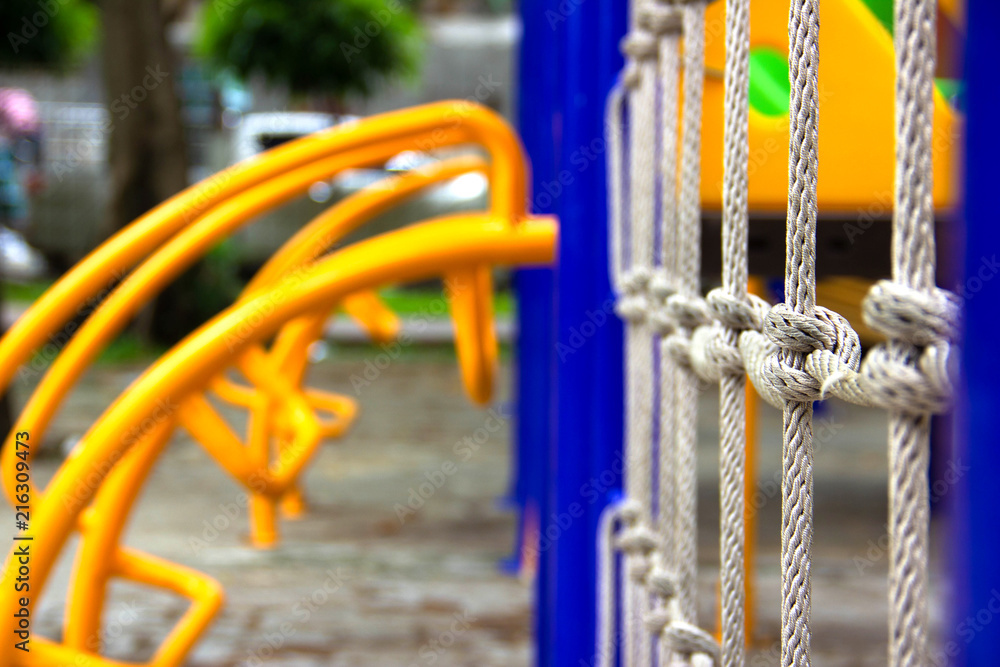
x: 18, y: 260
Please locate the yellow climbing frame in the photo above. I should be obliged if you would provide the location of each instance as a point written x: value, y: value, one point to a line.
x: 95, y: 488
x: 856, y: 114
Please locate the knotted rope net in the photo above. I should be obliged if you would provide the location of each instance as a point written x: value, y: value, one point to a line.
x: 794, y: 353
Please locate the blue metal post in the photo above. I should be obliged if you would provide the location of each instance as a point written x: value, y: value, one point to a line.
x: 535, y: 306
x: 975, y: 627
x: 569, y: 60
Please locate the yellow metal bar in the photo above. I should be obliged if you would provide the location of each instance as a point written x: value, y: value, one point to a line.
x: 414, y: 253
x: 194, y: 241
x: 430, y: 126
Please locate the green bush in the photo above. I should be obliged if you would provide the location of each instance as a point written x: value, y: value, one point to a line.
x: 327, y: 47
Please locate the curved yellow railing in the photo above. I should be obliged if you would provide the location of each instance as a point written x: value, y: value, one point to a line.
x: 426, y: 250
x: 288, y: 355
x: 304, y: 162
x: 280, y: 408
x: 430, y: 126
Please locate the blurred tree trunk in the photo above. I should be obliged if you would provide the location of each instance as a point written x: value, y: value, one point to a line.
x: 146, y: 146
x: 147, y: 152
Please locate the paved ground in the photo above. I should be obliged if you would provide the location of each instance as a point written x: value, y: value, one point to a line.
x: 352, y: 586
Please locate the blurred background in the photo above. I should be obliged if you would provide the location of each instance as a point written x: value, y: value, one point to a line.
x: 127, y: 102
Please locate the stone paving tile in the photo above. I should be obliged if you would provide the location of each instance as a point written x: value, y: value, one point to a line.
x: 351, y: 585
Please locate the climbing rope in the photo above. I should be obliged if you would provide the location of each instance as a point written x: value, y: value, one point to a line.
x: 794, y: 353
x: 665, y: 21
x: 725, y: 305
x: 918, y: 318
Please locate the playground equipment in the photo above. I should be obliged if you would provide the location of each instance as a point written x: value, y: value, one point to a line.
x: 794, y: 353
x: 289, y: 299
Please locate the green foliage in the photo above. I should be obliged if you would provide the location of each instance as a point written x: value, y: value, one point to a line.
x: 46, y: 33
x: 327, y: 47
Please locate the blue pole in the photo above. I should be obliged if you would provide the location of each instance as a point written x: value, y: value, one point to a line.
x: 534, y: 380
x: 975, y: 627
x: 569, y: 60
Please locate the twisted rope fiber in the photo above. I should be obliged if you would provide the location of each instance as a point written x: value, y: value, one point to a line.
x: 800, y: 286
x: 666, y: 22
x: 913, y: 266
x: 636, y: 540
x: 688, y: 310
x: 732, y: 401
x: 605, y: 649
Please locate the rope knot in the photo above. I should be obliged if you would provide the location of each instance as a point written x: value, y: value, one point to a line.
x: 911, y: 315
x: 686, y: 311
x: 660, y: 285
x: 798, y: 332
x: 678, y: 346
x: 661, y: 289
x: 637, y: 540
x: 689, y: 640
x: 629, y: 511
x: 790, y: 331
x: 714, y: 353
x: 910, y: 379
x: 657, y: 620
x: 662, y: 582
x: 735, y: 312
x: 633, y: 302
x: 640, y: 45
x: 661, y: 19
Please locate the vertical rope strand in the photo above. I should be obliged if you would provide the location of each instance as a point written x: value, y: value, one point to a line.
x: 665, y: 21
x: 642, y: 50
x: 800, y: 296
x: 614, y: 130
x: 732, y: 387
x: 689, y: 279
x: 669, y: 87
x: 913, y: 265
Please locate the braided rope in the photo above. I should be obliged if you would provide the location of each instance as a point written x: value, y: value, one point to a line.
x: 641, y: 48
x: 689, y: 272
x: 732, y: 397
x: 800, y: 297
x: 913, y: 266
x: 794, y: 353
x: 664, y: 19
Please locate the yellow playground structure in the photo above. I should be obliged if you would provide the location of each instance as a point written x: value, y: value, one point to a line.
x: 264, y: 337
x: 254, y: 355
